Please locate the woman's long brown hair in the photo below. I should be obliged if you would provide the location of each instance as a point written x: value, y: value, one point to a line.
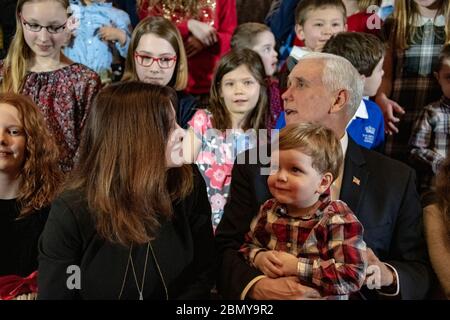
x: 122, y: 165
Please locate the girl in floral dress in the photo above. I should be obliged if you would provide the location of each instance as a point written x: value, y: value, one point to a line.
x: 35, y: 67
x: 238, y: 109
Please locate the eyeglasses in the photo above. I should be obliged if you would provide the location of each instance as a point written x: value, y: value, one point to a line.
x: 34, y: 27
x: 147, y: 61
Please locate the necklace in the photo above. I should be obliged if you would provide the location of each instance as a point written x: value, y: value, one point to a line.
x: 130, y: 260
x: 141, y: 289
x: 141, y: 297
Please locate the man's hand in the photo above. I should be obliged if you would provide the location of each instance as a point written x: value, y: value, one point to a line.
x: 387, y: 277
x: 283, y: 288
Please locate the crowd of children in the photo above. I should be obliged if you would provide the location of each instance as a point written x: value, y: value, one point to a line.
x: 225, y: 85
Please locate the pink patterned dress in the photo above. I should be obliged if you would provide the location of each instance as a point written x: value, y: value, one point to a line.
x: 216, y: 158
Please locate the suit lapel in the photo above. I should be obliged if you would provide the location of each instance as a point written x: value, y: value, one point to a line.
x: 355, y: 177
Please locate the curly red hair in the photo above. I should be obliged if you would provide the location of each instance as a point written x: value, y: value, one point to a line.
x: 41, y: 175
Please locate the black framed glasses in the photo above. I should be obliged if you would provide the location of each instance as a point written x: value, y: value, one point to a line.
x: 163, y: 62
x: 34, y: 27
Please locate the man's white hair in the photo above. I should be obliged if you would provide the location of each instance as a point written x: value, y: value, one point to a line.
x: 338, y: 73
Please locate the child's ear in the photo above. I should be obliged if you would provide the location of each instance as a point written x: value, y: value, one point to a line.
x: 325, y: 183
x: 345, y: 27
x: 299, y: 32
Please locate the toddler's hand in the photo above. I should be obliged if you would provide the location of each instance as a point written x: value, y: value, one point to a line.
x: 109, y: 33
x: 289, y: 263
x: 269, y: 264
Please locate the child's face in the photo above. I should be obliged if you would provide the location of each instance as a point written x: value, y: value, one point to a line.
x: 443, y: 77
x: 152, y: 46
x: 320, y: 24
x: 12, y: 140
x: 265, y: 47
x: 45, y: 14
x: 174, y: 148
x: 430, y: 4
x: 372, y: 83
x: 296, y: 183
x: 240, y: 91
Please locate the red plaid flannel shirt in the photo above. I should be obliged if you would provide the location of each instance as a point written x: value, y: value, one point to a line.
x: 328, y: 243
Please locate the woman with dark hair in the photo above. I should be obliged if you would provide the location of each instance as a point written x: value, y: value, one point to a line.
x: 29, y: 180
x: 132, y: 221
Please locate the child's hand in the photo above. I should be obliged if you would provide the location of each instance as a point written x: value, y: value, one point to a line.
x: 269, y: 264
x: 112, y: 34
x: 203, y: 32
x: 389, y: 108
x: 289, y: 263
x: 193, y: 46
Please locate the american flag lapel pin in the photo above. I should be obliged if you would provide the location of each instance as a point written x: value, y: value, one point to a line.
x: 356, y: 181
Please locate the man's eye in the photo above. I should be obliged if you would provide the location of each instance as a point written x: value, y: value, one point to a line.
x: 289, y: 111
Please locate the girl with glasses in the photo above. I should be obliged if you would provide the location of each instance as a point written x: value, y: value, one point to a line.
x: 63, y: 90
x: 156, y: 55
x: 206, y: 27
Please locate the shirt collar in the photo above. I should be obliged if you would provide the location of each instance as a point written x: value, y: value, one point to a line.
x: 344, y: 143
x: 315, y: 212
x: 298, y: 52
x: 438, y: 22
x: 361, y: 112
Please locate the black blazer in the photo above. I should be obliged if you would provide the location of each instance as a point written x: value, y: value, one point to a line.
x: 381, y: 192
x: 184, y: 251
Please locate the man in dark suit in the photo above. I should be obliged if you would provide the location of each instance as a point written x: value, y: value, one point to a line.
x: 326, y: 89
